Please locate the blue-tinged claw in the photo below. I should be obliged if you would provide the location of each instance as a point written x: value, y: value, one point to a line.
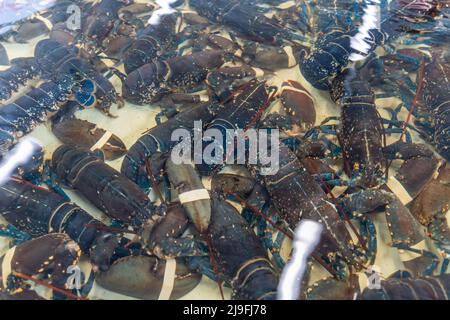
x: 88, y: 86
x: 86, y: 101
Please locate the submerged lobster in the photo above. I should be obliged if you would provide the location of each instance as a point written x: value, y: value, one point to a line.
x: 37, y: 211
x: 158, y: 140
x: 45, y: 261
x: 436, y: 104
x: 21, y: 115
x: 400, y: 286
x: 427, y: 99
x: 242, y: 17
x: 109, y: 190
x: 150, y: 43
x: 337, y: 39
x: 54, y: 59
x: 150, y: 82
x: 17, y: 75
x: 73, y: 131
x: 248, y: 271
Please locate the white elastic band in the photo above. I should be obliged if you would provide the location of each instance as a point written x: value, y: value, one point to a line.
x: 258, y: 72
x: 286, y: 5
x: 179, y: 23
x: 169, y: 279
x: 47, y: 22
x: 102, y: 141
x: 438, y: 167
x: 398, y: 189
x: 291, y: 59
x: 204, y: 98
x: 193, y: 195
x: 338, y: 191
x: 7, y: 265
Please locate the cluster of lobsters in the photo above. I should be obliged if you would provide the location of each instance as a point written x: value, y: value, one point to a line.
x: 220, y: 62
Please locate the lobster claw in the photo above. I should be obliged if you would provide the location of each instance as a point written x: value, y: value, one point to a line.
x: 48, y: 257
x: 143, y: 277
x: 73, y: 131
x: 88, y: 86
x: 102, y: 252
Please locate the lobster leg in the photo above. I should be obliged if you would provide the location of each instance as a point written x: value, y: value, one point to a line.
x: 404, y: 229
x: 50, y: 178
x: 14, y: 233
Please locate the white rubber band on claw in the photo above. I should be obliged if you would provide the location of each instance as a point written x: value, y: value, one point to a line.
x: 338, y: 191
x: 46, y: 21
x: 7, y: 266
x: 204, y: 98
x: 194, y: 195
x: 258, y: 72
x: 286, y: 5
x: 102, y: 141
x: 399, y: 190
x: 169, y: 279
x: 292, y: 62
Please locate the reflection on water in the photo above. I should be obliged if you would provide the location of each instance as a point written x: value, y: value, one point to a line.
x: 12, y: 11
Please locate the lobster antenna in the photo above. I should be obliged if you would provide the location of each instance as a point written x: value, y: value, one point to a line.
x: 414, y: 103
x: 260, y: 112
x: 380, y: 124
x: 252, y: 121
x: 232, y: 96
x: 47, y: 285
x: 259, y: 213
x: 28, y: 183
x: 152, y: 179
x: 213, y: 261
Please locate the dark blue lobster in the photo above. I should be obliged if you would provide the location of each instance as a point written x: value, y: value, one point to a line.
x: 245, y: 18
x: 17, y: 75
x: 337, y: 35
x: 23, y: 114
